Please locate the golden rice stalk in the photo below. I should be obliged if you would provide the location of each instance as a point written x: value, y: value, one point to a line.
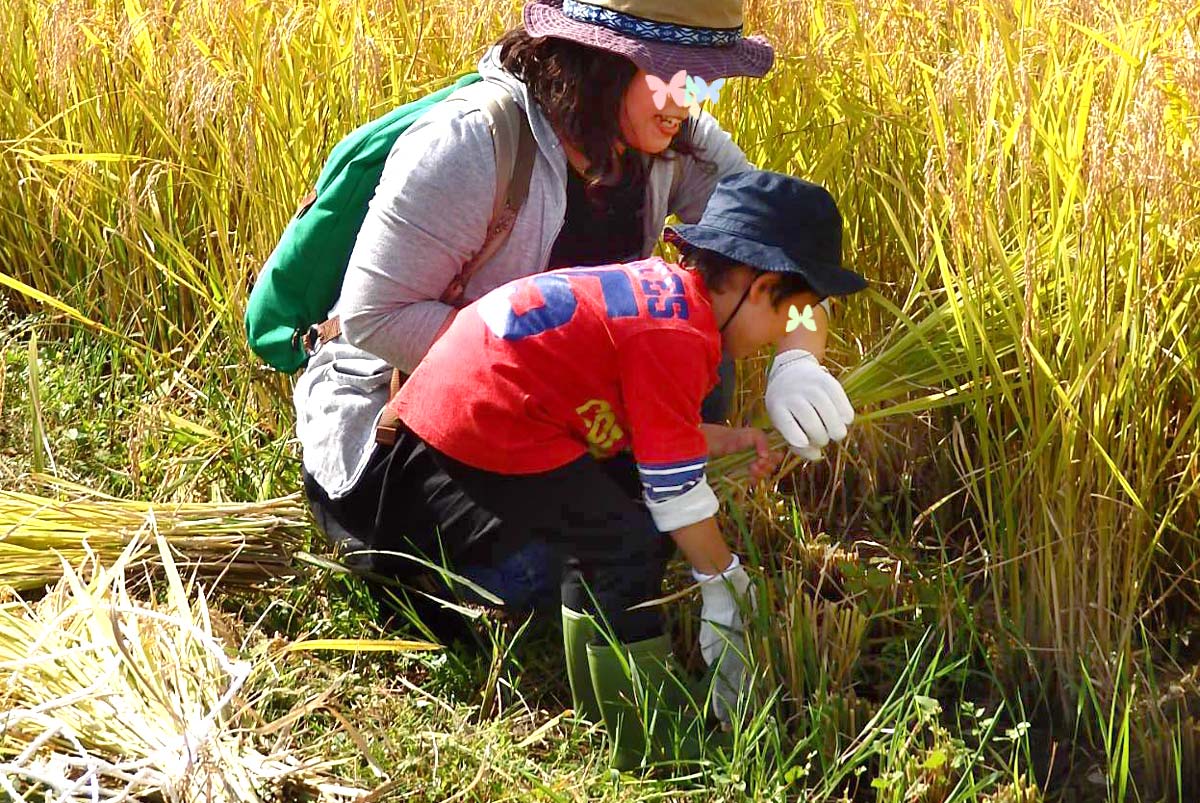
x: 105, y: 698
x: 240, y: 543
x: 953, y: 351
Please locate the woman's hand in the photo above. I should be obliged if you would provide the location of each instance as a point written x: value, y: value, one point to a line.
x: 724, y: 440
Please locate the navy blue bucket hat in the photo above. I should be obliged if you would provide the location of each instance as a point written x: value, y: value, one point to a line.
x: 777, y: 223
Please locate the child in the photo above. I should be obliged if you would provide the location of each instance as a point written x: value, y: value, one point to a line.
x: 513, y: 422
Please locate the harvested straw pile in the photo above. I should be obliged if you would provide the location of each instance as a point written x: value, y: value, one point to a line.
x: 240, y: 543
x: 106, y: 698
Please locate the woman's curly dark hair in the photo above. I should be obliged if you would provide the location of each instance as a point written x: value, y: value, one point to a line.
x: 580, y: 89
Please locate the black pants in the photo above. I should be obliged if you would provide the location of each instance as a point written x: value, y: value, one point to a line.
x: 413, y: 499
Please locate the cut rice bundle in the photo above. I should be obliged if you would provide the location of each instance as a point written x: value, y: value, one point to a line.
x: 241, y: 543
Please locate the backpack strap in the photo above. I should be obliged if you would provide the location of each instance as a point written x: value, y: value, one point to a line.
x: 516, y: 151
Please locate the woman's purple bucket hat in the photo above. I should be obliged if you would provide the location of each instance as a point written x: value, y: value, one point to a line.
x: 703, y: 37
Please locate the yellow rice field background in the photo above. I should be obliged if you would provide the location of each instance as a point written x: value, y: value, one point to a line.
x: 990, y: 593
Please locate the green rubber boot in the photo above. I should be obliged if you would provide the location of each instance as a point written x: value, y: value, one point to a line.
x: 639, y: 694
x: 578, y: 631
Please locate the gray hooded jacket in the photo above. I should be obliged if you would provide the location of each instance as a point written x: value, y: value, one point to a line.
x: 429, y: 214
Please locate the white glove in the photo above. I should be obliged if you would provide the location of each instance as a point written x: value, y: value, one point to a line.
x: 807, y: 405
x: 721, y: 627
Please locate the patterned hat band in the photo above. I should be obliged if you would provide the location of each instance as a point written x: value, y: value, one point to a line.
x: 649, y: 29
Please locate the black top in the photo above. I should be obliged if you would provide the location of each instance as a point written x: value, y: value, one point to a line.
x: 603, y: 225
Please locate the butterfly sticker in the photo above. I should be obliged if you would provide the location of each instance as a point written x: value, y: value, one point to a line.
x: 693, y: 106
x: 675, y: 89
x: 796, y: 319
x: 700, y: 91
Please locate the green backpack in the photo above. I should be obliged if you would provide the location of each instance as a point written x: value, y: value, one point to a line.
x: 302, y: 278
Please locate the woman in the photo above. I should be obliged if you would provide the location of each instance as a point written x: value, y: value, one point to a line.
x: 611, y: 165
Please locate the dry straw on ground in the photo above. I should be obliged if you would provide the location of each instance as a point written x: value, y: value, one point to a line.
x: 104, y: 697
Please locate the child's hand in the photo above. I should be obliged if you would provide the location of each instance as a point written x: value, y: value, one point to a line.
x: 728, y: 440
x: 807, y: 405
x: 767, y: 462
